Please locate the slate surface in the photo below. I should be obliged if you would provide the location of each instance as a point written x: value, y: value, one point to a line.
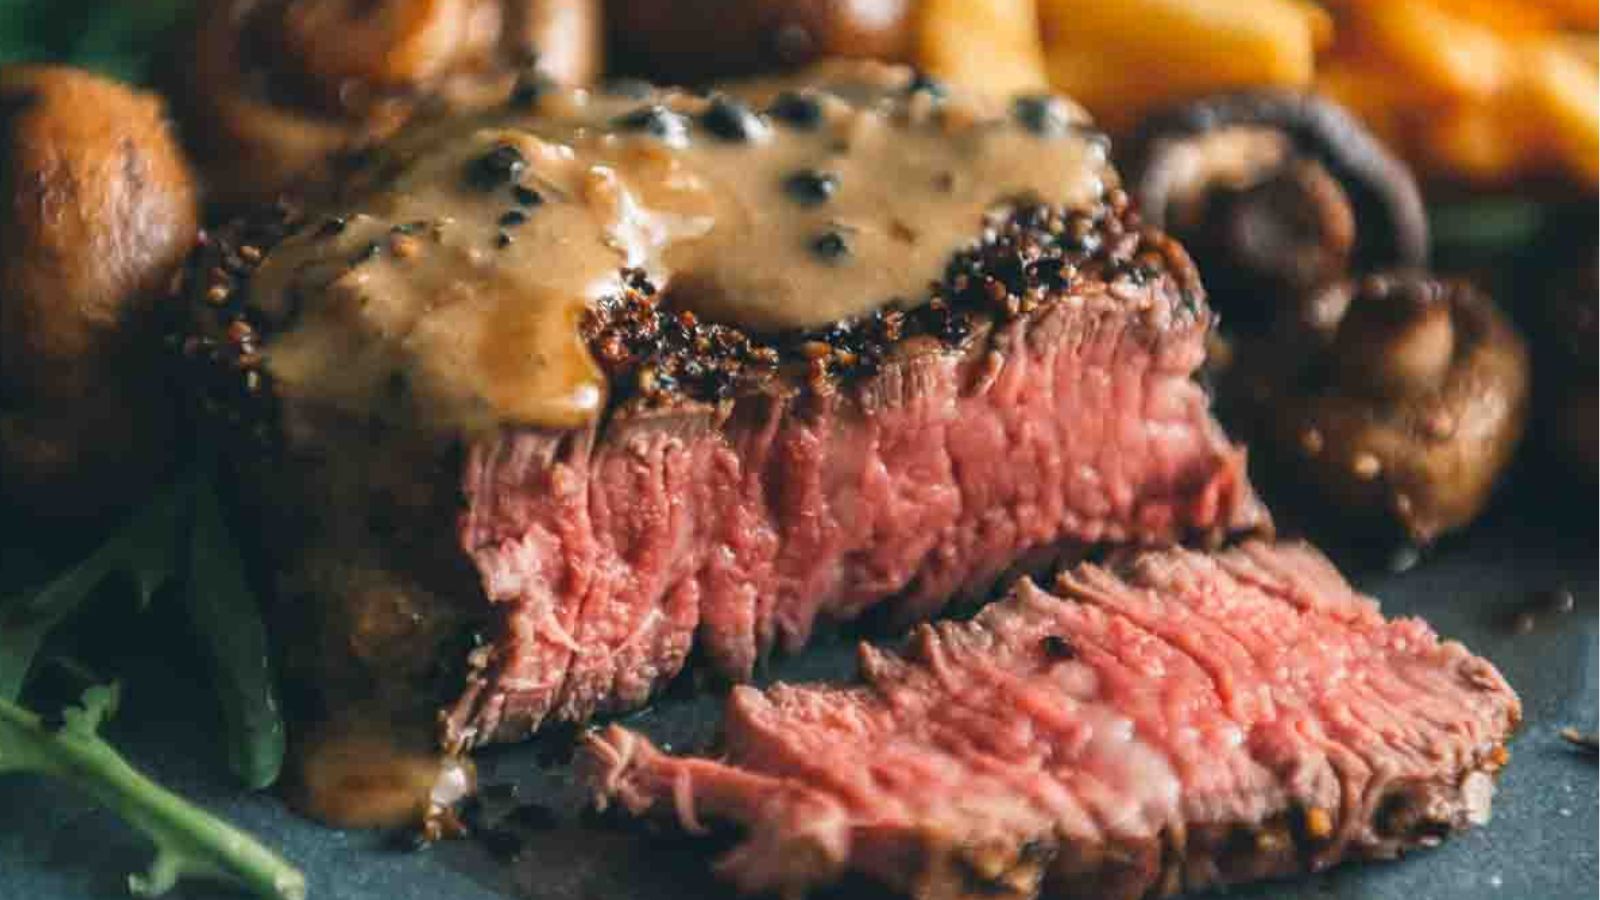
x: 1541, y: 844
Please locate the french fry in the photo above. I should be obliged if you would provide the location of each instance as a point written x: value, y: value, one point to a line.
x: 1121, y: 59
x: 1561, y: 90
x: 1583, y: 14
x: 986, y: 45
x: 1447, y: 55
x: 1368, y: 88
x: 1483, y: 91
x: 1475, y: 142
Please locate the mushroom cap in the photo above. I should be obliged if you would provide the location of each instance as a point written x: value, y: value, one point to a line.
x: 1388, y: 204
x: 100, y: 213
x: 1420, y: 445
x: 274, y: 89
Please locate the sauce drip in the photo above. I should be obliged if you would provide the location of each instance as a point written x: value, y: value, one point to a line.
x: 372, y: 777
x: 451, y: 283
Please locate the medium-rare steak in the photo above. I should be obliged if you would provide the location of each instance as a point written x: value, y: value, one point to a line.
x: 1175, y: 722
x: 446, y: 507
x: 615, y: 551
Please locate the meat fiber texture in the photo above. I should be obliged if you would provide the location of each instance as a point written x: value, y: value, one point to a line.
x: 609, y: 555
x: 1180, y: 721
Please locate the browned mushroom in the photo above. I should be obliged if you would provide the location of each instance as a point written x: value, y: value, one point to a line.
x: 1402, y: 400
x: 100, y: 211
x: 274, y: 88
x: 1275, y: 193
x: 699, y: 40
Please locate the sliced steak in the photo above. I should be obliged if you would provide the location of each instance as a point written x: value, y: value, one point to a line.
x: 1176, y: 722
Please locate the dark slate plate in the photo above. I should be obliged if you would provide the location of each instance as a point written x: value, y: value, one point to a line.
x: 1541, y: 844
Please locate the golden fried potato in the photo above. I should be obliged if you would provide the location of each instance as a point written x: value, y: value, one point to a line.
x: 1484, y: 92
x: 1474, y: 142
x: 1385, y: 104
x: 1560, y: 90
x: 1558, y: 13
x: 1123, y: 59
x: 1440, y: 53
x: 992, y: 46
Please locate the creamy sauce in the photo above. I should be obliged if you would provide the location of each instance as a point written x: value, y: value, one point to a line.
x: 371, y: 777
x: 452, y: 284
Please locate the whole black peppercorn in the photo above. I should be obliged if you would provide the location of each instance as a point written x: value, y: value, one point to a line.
x: 526, y: 196
x: 658, y: 122
x: 503, y: 240
x: 513, y: 218
x: 831, y: 246
x: 798, y: 110
x: 497, y: 168
x: 732, y: 120
x: 1057, y: 647
x: 810, y: 187
x: 1045, y: 115
x: 333, y: 226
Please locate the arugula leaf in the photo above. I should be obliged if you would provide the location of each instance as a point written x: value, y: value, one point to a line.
x: 123, y: 38
x: 189, y: 842
x: 183, y: 526
x: 145, y: 548
x: 1485, y: 224
x: 227, y: 620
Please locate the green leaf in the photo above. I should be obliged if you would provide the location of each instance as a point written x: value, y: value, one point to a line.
x: 227, y: 618
x: 123, y: 38
x: 189, y: 842
x: 145, y: 548
x: 1485, y: 225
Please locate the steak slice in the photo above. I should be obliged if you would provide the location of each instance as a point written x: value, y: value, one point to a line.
x: 1175, y: 722
x: 969, y: 446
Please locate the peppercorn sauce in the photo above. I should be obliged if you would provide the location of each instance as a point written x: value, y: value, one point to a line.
x: 447, y: 281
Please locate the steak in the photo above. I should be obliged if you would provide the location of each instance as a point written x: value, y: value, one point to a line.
x: 917, y: 458
x: 441, y: 545
x: 733, y: 527
x: 1173, y: 722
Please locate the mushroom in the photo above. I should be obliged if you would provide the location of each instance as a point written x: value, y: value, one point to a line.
x: 1276, y: 193
x: 708, y: 39
x: 99, y: 213
x: 1403, y: 400
x: 276, y: 87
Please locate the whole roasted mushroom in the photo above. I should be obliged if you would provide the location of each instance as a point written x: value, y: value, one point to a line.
x: 1275, y: 193
x: 272, y: 89
x: 99, y: 213
x: 1403, y: 401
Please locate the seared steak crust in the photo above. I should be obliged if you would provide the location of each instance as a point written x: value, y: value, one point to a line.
x: 1176, y: 722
